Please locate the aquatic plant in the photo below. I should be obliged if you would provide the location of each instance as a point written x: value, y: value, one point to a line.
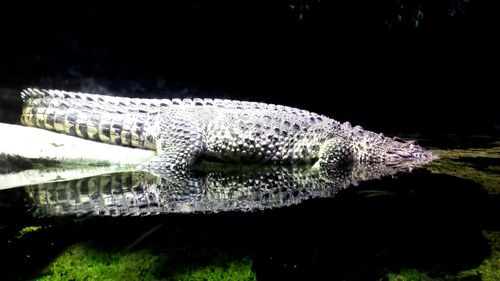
x: 85, y: 262
x: 407, y: 274
x: 451, y: 163
x: 461, y: 163
x: 235, y: 270
x: 489, y: 270
x: 28, y: 229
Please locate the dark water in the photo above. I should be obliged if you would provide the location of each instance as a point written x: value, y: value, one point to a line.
x: 440, y: 221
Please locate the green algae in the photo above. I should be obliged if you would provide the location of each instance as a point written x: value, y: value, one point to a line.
x: 489, y: 270
x: 407, y: 274
x: 450, y: 163
x: 84, y: 262
x: 28, y: 229
x: 235, y: 270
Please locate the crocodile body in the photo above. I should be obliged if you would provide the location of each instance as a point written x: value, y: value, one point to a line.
x: 184, y: 131
x: 219, y: 189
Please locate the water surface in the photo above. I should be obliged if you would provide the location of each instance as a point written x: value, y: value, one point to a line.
x: 437, y: 222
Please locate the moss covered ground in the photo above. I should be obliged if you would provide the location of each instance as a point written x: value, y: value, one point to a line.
x: 481, y: 165
x: 83, y: 261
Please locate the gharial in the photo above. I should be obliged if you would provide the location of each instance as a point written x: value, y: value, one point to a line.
x: 185, y: 131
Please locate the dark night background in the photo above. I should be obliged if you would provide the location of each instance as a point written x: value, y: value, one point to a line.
x: 389, y: 65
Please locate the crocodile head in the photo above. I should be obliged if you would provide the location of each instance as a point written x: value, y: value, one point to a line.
x: 376, y: 148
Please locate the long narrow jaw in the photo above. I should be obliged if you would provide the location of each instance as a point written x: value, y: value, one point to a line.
x: 401, y: 151
x: 371, y: 147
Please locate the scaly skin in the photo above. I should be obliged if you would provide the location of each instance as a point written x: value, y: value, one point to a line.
x: 185, y: 131
x: 219, y: 189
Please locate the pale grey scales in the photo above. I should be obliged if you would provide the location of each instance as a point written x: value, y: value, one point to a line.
x: 185, y: 131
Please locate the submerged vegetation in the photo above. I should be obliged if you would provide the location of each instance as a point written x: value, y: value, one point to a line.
x: 28, y: 229
x: 489, y: 270
x: 481, y: 165
x: 82, y: 262
x: 234, y: 270
x: 85, y: 262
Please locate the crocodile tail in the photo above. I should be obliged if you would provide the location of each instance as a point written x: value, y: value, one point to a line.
x: 95, y: 117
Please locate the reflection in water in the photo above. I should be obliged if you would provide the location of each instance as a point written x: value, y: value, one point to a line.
x: 216, y: 188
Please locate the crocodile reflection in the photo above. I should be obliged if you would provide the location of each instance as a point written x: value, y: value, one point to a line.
x: 221, y: 188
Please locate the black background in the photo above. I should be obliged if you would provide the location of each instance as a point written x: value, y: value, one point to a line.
x: 338, y: 58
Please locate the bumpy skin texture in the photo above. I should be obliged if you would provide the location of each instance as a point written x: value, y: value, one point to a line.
x: 219, y: 189
x: 184, y: 131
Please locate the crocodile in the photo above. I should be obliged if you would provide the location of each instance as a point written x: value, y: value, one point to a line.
x: 185, y: 131
x: 216, y: 188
